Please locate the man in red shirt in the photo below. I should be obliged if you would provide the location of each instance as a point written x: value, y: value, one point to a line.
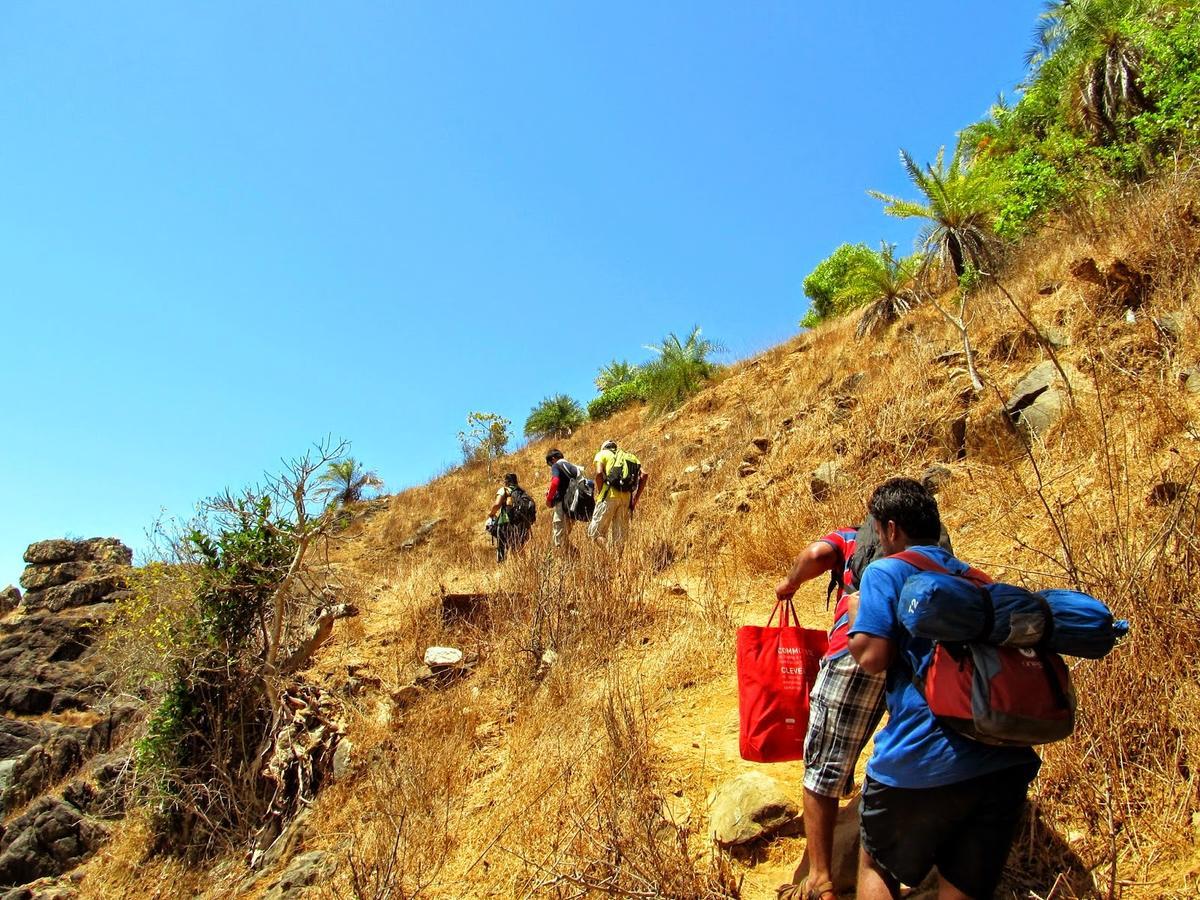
x: 846, y: 706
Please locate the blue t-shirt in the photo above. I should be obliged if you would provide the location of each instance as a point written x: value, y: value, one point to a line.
x: 914, y: 750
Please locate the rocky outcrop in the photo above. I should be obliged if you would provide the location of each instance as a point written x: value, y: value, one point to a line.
x: 54, y: 720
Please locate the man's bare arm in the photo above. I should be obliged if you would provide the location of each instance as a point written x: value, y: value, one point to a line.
x: 873, y: 654
x: 816, y: 558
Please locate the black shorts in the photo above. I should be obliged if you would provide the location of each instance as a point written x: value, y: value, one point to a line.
x: 965, y: 829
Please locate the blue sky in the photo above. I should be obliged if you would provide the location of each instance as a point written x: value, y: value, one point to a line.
x: 227, y: 229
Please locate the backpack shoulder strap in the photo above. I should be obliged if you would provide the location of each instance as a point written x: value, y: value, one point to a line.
x: 925, y: 564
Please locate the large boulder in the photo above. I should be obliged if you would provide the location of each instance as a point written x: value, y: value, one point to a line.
x: 1041, y: 397
x: 49, y: 838
x: 750, y: 807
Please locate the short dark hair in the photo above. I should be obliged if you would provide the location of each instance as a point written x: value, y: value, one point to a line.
x: 553, y: 455
x: 511, y: 479
x: 909, y: 504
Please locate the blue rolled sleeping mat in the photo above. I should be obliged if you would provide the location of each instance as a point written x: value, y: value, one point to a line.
x: 948, y: 608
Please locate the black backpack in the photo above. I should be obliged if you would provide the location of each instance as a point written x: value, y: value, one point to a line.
x: 866, y: 551
x: 577, y: 495
x: 624, y: 473
x: 522, y: 510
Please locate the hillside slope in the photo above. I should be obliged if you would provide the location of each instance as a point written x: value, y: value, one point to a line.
x: 589, y: 771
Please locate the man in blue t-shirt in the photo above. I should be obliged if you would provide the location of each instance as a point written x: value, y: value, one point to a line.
x: 932, y: 796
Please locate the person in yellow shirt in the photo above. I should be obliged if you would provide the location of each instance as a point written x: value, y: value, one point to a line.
x: 620, y: 479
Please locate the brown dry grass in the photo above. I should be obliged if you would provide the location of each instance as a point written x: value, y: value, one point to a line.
x: 592, y: 776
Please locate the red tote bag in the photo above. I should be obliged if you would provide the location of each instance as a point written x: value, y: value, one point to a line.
x: 776, y: 668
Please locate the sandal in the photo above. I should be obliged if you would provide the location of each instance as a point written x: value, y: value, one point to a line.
x: 823, y: 891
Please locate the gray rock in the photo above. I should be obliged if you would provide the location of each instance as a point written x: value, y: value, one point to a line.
x: 1056, y: 337
x: 935, y: 476
x: 56, y: 550
x: 825, y: 479
x: 1170, y: 326
x: 342, y: 758
x: 1190, y: 379
x: 49, y: 838
x: 10, y: 599
x: 1046, y: 288
x: 750, y: 807
x: 746, y: 469
x: 421, y: 535
x: 1038, y: 400
x: 303, y: 872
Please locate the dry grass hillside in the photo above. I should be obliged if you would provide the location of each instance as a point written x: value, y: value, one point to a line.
x: 591, y: 775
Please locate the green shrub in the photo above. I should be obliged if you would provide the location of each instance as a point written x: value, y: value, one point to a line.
x: 681, y: 369
x: 614, y: 400
x: 826, y: 285
x: 555, y: 416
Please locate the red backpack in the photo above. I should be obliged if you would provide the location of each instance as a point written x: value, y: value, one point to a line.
x: 1008, y: 696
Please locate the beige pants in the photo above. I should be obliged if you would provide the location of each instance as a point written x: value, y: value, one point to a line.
x: 610, y: 521
x: 560, y: 528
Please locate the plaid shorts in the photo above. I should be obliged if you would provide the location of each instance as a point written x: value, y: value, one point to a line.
x: 846, y: 706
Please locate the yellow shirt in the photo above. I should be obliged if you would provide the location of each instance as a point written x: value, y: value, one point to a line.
x: 609, y: 458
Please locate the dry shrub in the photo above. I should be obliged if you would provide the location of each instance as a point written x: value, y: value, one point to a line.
x: 412, y: 791
x: 621, y: 838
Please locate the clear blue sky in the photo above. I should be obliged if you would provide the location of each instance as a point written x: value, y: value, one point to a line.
x: 229, y: 228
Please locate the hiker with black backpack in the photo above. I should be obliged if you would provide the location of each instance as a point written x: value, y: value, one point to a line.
x: 570, y: 495
x: 511, y: 518
x: 620, y: 480
x: 933, y: 796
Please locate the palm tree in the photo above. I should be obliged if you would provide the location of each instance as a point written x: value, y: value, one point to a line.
x: 345, y: 481
x: 1083, y: 44
x: 681, y: 369
x: 886, y: 285
x: 958, y: 208
x: 615, y: 374
x: 555, y: 416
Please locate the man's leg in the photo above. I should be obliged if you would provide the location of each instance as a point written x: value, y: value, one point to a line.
x: 601, y: 519
x: 820, y: 815
x: 501, y: 542
x: 619, y: 529
x: 846, y: 707
x: 560, y: 529
x: 873, y: 882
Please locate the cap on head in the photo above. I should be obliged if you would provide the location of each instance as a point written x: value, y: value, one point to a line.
x: 553, y: 455
x: 609, y: 445
x: 511, y: 479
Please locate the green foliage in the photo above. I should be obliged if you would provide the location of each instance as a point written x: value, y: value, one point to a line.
x: 485, y: 437
x: 826, y: 285
x: 345, y: 480
x: 615, y: 374
x: 241, y: 565
x: 1171, y: 79
x: 680, y: 370
x: 159, y: 749
x: 886, y: 285
x: 554, y: 417
x: 958, y: 208
x: 614, y: 400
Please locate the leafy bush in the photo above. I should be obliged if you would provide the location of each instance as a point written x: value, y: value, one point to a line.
x: 212, y: 639
x: 485, y: 437
x: 681, y: 369
x: 826, y: 285
x: 555, y: 416
x: 614, y: 400
x: 615, y: 374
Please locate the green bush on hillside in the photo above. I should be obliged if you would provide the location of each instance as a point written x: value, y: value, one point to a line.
x: 681, y: 369
x: 827, y: 284
x: 614, y: 400
x: 554, y: 417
